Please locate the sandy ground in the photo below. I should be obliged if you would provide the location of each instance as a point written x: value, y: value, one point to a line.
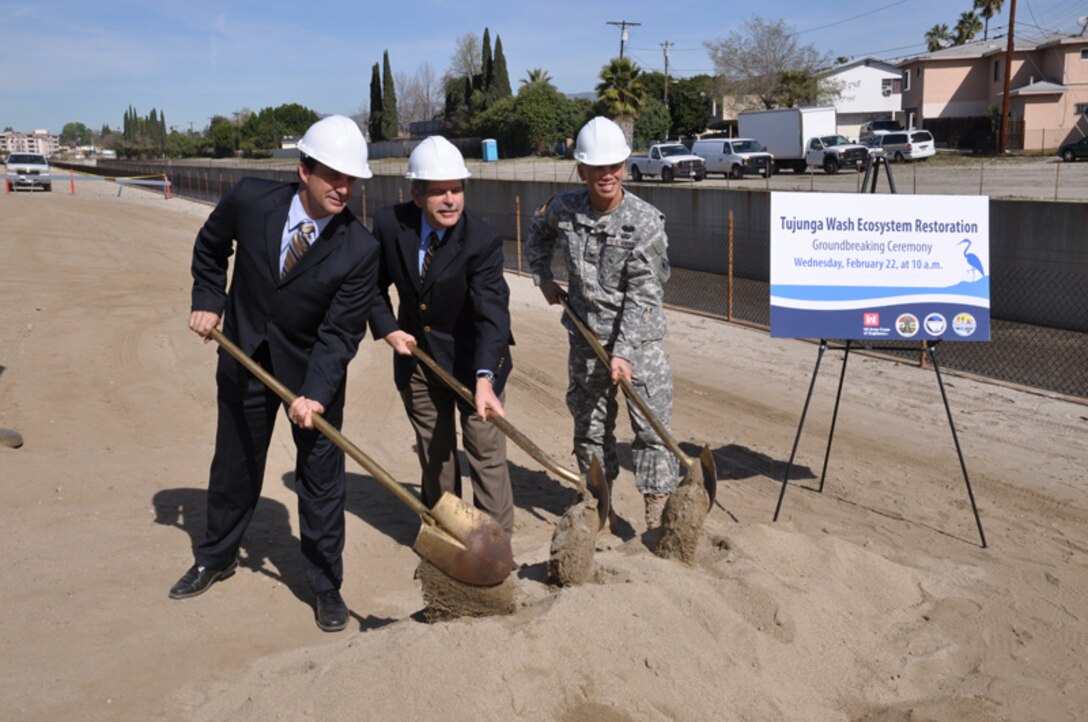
x: 870, y: 601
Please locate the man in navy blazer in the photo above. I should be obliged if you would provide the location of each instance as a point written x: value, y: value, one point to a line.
x: 304, y: 280
x: 447, y: 265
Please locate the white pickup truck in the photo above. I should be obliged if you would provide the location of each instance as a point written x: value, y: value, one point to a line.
x: 668, y: 160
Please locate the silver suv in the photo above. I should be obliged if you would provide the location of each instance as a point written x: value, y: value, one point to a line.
x: 29, y: 170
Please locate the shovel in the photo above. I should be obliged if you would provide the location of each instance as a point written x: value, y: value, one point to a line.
x: 598, y: 489
x: 704, y: 464
x: 461, y: 541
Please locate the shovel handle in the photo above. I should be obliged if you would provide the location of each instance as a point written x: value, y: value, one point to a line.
x: 322, y: 425
x: 503, y: 425
x: 628, y: 388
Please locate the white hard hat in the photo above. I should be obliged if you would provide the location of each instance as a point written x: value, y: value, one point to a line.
x: 436, y: 159
x: 337, y: 142
x: 601, y: 142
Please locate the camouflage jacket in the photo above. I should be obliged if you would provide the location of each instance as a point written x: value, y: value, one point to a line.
x: 616, y: 265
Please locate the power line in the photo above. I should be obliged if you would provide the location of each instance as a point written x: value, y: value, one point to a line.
x: 855, y: 17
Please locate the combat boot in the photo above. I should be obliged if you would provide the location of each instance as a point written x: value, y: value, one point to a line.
x: 655, y: 507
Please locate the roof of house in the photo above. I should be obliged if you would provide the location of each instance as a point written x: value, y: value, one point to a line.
x: 996, y: 46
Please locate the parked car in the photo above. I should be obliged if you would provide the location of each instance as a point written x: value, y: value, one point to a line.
x: 906, y: 145
x: 873, y: 128
x: 668, y: 160
x: 29, y: 170
x: 1077, y: 149
x: 734, y: 157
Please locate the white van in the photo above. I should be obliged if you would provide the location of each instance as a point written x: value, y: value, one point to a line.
x: 734, y: 157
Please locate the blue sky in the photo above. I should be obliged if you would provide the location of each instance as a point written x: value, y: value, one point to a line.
x: 88, y: 61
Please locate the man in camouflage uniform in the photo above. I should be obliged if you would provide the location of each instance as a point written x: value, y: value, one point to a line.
x: 613, y: 245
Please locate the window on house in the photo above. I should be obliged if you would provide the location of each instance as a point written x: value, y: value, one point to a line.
x: 1084, y: 53
x: 906, y: 80
x: 997, y: 70
x: 1082, y: 108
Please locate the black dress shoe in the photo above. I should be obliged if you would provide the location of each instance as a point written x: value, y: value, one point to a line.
x: 331, y: 612
x: 198, y: 579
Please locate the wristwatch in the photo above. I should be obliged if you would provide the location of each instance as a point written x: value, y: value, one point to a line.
x: 486, y: 375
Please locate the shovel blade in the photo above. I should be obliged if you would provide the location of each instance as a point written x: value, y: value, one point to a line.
x: 598, y: 487
x: 465, y: 543
x: 710, y: 474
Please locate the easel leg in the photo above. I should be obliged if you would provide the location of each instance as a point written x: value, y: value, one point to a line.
x: 834, y: 415
x: 955, y: 438
x: 800, y: 426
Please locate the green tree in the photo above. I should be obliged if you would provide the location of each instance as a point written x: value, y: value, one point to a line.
x: 938, y: 37
x: 487, y: 64
x: 967, y: 27
x: 986, y: 10
x: 653, y: 122
x: 180, y: 145
x: 500, y: 77
x: 390, y: 121
x: 374, y: 124
x: 222, y: 137
x: 689, y: 104
x: 796, y: 88
x: 537, y: 119
x: 75, y: 134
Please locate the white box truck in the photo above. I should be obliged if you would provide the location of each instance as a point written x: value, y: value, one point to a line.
x: 800, y: 137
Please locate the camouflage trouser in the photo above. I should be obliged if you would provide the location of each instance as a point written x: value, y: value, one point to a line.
x: 591, y: 398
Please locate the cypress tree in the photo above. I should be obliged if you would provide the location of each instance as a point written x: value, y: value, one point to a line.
x: 500, y: 84
x: 374, y: 124
x: 390, y: 122
x: 487, y: 67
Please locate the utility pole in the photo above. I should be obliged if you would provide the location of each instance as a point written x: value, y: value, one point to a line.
x: 623, y: 24
x: 1008, y: 81
x: 666, y: 45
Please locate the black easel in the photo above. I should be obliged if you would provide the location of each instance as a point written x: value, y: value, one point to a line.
x: 872, y: 166
x: 931, y: 348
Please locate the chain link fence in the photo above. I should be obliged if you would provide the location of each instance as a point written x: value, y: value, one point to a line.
x: 720, y: 268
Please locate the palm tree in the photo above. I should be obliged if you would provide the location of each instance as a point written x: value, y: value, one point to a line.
x: 987, y: 9
x: 938, y: 37
x: 967, y: 27
x: 536, y: 76
x: 620, y: 93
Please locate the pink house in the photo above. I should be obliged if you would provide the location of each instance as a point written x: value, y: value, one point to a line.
x: 1048, y: 100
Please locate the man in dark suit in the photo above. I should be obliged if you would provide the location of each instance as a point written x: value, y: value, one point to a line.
x: 304, y: 280
x: 447, y: 265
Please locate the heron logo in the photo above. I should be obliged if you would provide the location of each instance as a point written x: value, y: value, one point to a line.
x: 935, y: 324
x: 964, y: 324
x: 870, y: 319
x: 974, y: 265
x: 906, y: 324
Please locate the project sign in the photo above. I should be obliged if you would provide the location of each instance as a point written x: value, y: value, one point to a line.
x: 880, y: 267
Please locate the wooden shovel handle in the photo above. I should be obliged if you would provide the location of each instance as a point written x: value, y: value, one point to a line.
x: 503, y: 425
x: 322, y: 425
x: 628, y: 388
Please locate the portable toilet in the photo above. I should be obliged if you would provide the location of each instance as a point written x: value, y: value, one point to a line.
x: 490, y: 150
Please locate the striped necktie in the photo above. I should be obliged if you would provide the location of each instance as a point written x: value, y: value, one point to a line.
x: 300, y: 243
x: 428, y: 255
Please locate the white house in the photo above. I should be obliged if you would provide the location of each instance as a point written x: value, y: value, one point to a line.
x: 871, y: 89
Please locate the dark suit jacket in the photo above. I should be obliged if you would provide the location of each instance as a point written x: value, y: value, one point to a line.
x: 315, y: 317
x: 460, y: 313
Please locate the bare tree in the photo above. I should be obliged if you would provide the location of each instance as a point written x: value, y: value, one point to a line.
x: 419, y: 94
x: 467, y: 56
x: 753, y: 61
